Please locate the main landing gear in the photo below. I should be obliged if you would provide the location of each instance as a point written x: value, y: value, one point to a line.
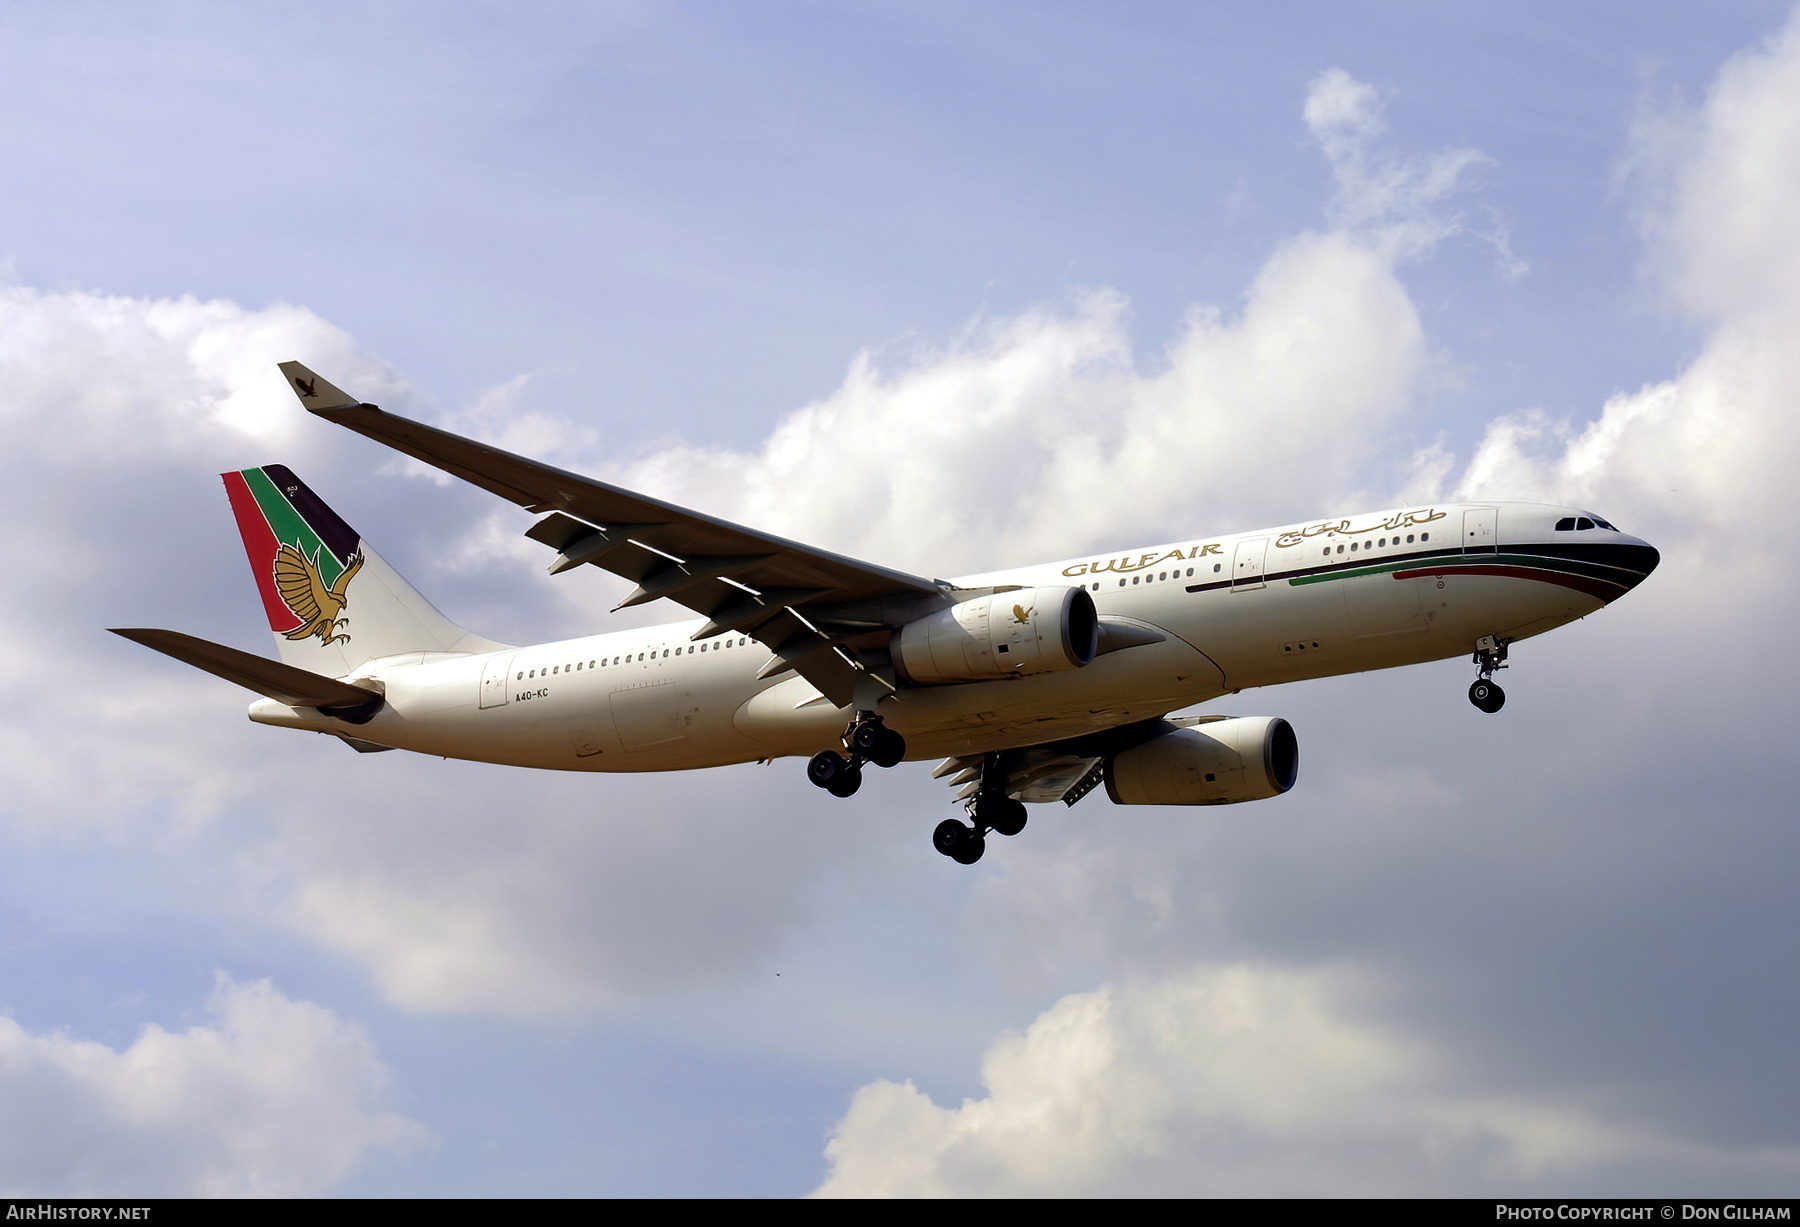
x: 990, y: 809
x: 1490, y: 654
x: 869, y: 741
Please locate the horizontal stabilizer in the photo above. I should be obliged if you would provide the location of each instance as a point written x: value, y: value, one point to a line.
x: 283, y: 683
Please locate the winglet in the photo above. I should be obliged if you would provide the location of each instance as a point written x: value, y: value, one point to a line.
x: 313, y: 391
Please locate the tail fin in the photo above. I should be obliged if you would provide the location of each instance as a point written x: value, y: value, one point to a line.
x: 332, y: 601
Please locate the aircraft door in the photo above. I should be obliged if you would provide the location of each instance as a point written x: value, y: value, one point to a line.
x: 1247, y: 565
x: 1479, y: 536
x: 494, y: 681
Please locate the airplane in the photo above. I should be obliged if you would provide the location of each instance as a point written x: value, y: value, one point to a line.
x: 1034, y: 684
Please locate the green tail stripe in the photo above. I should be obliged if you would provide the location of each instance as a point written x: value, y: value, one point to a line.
x: 288, y: 527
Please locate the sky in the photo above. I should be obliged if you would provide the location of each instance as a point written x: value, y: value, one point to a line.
x: 946, y: 287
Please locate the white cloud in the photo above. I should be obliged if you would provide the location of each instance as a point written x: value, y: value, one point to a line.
x: 1235, y: 1080
x: 1177, y: 1085
x: 465, y: 888
x: 275, y: 1098
x: 1697, y: 458
x: 1045, y: 435
x: 110, y: 406
x: 1096, y: 1080
x: 1034, y: 437
x: 1396, y: 200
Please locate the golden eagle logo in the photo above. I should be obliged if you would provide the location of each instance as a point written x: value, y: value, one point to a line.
x: 1021, y: 615
x: 303, y: 591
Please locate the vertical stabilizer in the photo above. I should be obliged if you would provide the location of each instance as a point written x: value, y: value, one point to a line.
x: 333, y: 602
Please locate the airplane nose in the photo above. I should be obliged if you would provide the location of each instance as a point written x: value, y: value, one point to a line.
x: 1640, y: 559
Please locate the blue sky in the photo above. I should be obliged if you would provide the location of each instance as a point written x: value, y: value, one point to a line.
x: 815, y: 267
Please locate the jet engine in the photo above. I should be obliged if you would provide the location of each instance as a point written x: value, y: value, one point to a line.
x: 1245, y: 758
x: 1009, y: 634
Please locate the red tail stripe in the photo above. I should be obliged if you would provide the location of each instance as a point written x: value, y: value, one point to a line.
x: 260, y: 547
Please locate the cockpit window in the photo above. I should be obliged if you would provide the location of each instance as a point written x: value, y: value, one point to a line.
x: 1578, y: 523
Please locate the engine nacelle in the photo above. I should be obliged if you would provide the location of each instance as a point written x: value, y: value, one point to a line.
x: 1221, y: 762
x: 1009, y: 634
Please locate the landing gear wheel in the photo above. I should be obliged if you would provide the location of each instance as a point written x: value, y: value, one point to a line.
x: 864, y: 736
x: 847, y: 782
x: 889, y: 748
x: 826, y: 768
x: 1000, y: 812
x: 949, y: 835
x: 958, y: 841
x: 1487, y: 696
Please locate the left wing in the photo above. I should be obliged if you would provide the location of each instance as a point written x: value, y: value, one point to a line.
x: 821, y: 614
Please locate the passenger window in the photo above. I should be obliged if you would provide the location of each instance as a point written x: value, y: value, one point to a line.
x: 520, y: 677
x: 1163, y: 575
x: 1424, y: 536
x: 1340, y: 549
x: 1135, y: 578
x: 1190, y: 572
x: 1409, y: 538
x: 1353, y: 547
x: 1216, y: 567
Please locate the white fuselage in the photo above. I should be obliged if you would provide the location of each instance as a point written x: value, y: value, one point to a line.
x: 1307, y: 600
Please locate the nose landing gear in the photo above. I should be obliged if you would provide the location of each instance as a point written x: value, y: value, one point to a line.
x: 990, y: 809
x: 1484, y: 693
x: 869, y: 741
